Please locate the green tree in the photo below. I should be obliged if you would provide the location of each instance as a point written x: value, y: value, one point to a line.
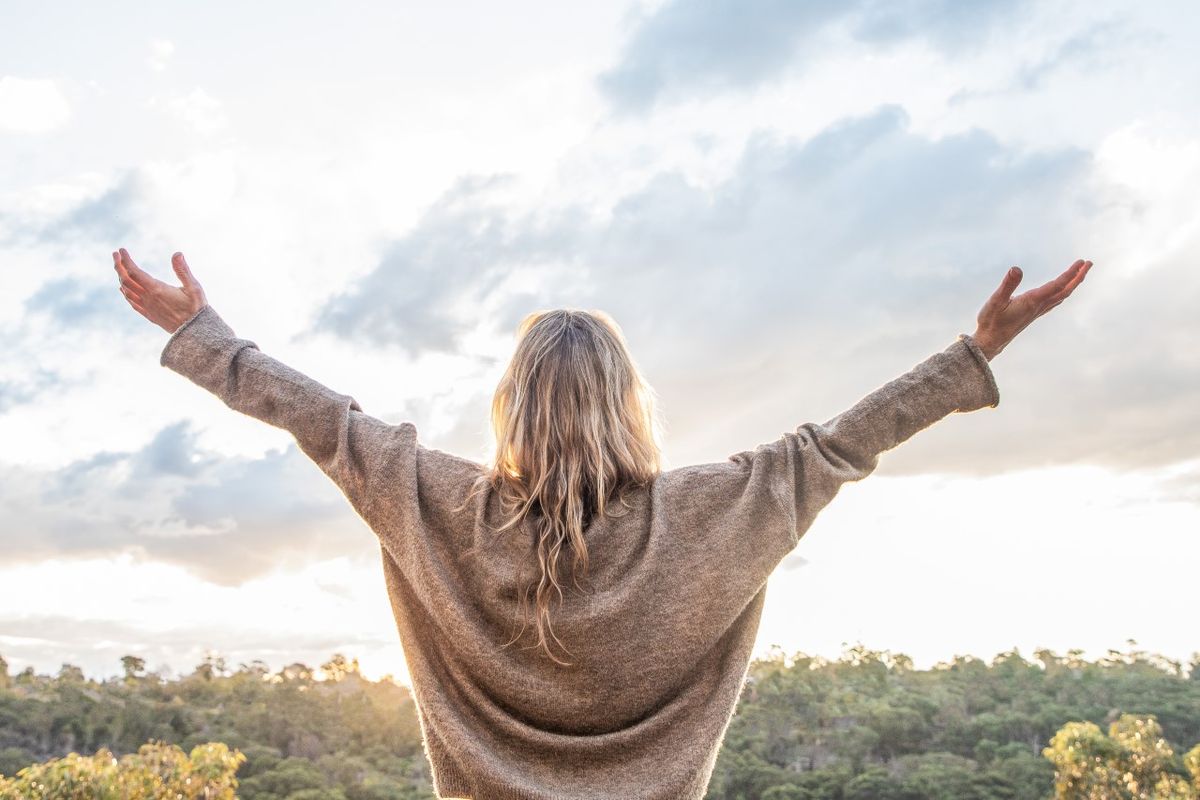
x: 213, y: 666
x: 13, y: 759
x: 156, y: 771
x: 873, y: 783
x: 1029, y: 777
x: 945, y: 776
x: 69, y: 673
x: 338, y: 668
x: 1133, y: 762
x: 133, y: 667
x: 297, y: 672
x: 789, y: 792
x: 286, y: 778
x: 1192, y: 762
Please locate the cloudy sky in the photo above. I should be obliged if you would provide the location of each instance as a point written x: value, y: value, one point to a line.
x: 784, y: 204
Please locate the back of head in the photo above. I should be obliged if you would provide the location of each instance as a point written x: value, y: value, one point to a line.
x: 576, y: 427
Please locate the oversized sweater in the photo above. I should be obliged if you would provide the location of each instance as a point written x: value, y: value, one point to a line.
x: 661, y: 639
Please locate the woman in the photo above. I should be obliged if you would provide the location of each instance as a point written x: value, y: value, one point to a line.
x: 629, y: 682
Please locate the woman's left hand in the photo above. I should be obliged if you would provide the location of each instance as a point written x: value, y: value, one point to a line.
x: 1004, y: 316
x: 165, y: 305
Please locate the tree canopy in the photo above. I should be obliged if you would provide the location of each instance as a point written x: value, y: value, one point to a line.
x: 865, y: 726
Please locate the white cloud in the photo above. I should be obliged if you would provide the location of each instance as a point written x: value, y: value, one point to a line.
x: 197, y: 110
x: 1157, y: 164
x: 161, y: 51
x: 31, y: 105
x: 699, y: 47
x: 226, y: 520
x: 170, y: 617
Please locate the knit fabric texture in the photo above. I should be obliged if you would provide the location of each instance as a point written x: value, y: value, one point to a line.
x: 660, y: 637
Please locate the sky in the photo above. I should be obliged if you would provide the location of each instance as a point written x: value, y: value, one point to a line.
x: 784, y: 205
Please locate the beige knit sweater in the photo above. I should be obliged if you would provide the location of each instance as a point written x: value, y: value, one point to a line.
x: 661, y: 643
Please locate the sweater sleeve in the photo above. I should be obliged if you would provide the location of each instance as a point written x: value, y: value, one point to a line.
x: 330, y: 428
x: 803, y: 470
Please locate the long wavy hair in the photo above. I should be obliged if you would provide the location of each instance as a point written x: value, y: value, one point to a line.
x: 576, y: 428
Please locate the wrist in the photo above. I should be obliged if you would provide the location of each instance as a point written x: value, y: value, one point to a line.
x: 182, y: 319
x: 989, y: 347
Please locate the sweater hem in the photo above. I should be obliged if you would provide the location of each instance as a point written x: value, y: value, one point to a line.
x: 993, y: 391
x: 176, y: 335
x: 451, y: 782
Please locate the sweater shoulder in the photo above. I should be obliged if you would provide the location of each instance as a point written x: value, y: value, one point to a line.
x: 440, y: 463
x: 704, y: 490
x: 731, y: 468
x: 444, y: 476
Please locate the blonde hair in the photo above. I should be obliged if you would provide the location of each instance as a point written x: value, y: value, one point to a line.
x: 576, y: 428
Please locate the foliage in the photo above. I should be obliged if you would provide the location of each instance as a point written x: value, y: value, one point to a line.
x: 157, y: 770
x: 1133, y: 762
x: 866, y: 726
x: 340, y: 738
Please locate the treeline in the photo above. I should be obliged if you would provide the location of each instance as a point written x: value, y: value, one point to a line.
x: 870, y: 727
x: 867, y: 726
x: 341, y: 738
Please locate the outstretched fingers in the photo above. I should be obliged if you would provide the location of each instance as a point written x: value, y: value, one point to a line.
x: 127, y: 280
x: 1076, y: 278
x: 1055, y: 286
x: 1051, y: 289
x: 1079, y: 276
x: 134, y: 299
x: 144, y: 280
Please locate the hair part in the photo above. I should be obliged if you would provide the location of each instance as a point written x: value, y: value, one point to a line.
x: 576, y: 429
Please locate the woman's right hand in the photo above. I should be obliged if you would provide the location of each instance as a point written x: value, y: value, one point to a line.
x: 1004, y: 316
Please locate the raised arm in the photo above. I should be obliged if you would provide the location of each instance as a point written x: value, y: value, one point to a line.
x: 802, y: 471
x: 330, y: 427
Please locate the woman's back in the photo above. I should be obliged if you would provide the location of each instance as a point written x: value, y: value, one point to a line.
x: 659, y: 637
x: 660, y: 633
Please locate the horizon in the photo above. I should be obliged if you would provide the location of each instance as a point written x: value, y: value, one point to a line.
x: 1113, y: 657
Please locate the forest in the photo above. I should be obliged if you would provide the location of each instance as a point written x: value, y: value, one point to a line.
x: 865, y: 726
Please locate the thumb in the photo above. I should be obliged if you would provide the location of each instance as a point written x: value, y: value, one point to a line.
x: 183, y: 271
